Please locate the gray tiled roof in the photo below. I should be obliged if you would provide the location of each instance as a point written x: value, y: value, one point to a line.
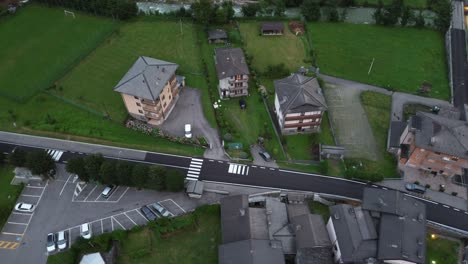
x: 235, y: 219
x: 272, y: 26
x: 230, y: 62
x: 356, y: 233
x: 440, y: 134
x: 298, y: 93
x: 396, y: 129
x: 250, y: 252
x: 146, y: 78
x: 310, y: 231
x: 217, y: 34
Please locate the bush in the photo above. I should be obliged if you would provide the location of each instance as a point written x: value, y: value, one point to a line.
x: 157, y: 177
x: 454, y: 193
x: 276, y: 71
x: 119, y: 235
x: 428, y: 186
x: 17, y: 158
x: 175, y: 181
x: 139, y: 175
x: 40, y: 163
x: 416, y: 182
x: 323, y: 167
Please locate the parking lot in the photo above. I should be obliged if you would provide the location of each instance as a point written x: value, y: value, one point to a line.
x: 64, y: 204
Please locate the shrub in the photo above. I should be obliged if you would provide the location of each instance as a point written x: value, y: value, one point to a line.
x: 454, y: 193
x: 416, y: 182
x: 276, y: 71
x: 119, y: 235
x: 428, y: 186
x: 175, y: 181
x: 17, y: 158
x: 323, y: 167
x: 40, y: 163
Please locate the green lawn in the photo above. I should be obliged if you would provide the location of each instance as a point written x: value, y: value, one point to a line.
x: 420, y: 4
x: 197, y: 245
x: 92, y: 82
x: 319, y: 208
x: 40, y: 44
x: 404, y: 57
x: 441, y: 250
x: 8, y: 193
x: 271, y: 50
x: 378, y: 107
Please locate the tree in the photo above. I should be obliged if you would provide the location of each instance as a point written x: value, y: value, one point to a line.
x: 157, y: 177
x: 202, y: 11
x: 123, y: 172
x: 392, y: 13
x: 107, y: 172
x: 333, y: 15
x: 419, y: 21
x: 310, y: 9
x: 93, y: 166
x: 443, y: 10
x: 40, y: 163
x: 378, y: 14
x: 17, y: 158
x: 250, y: 10
x: 139, y: 175
x: 76, y: 165
x: 228, y: 7
x: 175, y: 181
x: 279, y: 8
x: 406, y: 16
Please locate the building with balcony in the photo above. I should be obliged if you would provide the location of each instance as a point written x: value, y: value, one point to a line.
x: 435, y: 144
x: 150, y: 89
x: 299, y: 104
x: 233, y: 72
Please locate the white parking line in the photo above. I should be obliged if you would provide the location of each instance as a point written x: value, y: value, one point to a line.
x: 254, y: 166
x: 65, y: 184
x: 456, y: 209
x: 12, y: 234
x: 69, y: 238
x: 123, y: 194
x: 446, y: 206
x: 174, y: 203
x: 20, y: 213
x: 108, y: 198
x: 112, y: 224
x: 138, y: 211
x: 466, y: 213
x: 118, y: 223
x: 29, y: 195
x: 102, y: 228
x: 90, y: 193
x: 37, y: 187
x: 15, y: 223
x: 130, y: 219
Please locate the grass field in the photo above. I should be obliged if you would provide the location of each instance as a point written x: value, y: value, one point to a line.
x: 378, y: 107
x: 8, y: 193
x: 40, y: 44
x: 404, y: 57
x: 91, y: 83
x: 419, y: 4
x: 271, y: 50
x: 441, y: 250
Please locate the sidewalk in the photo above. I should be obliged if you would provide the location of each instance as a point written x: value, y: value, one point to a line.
x: 435, y: 196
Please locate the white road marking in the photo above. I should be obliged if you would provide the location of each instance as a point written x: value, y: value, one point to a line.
x: 37, y: 187
x: 90, y: 193
x: 211, y: 160
x: 262, y: 167
x: 15, y: 223
x: 138, y: 211
x: 20, y: 213
x: 29, y: 195
x: 456, y: 209
x: 130, y: 219
x: 384, y: 188
x: 123, y: 194
x: 272, y: 169
x: 254, y: 166
x: 12, y: 234
x: 197, y: 159
x: 65, y: 184
x: 195, y: 166
x: 419, y: 198
x: 102, y: 228
x: 118, y: 223
x: 446, y: 206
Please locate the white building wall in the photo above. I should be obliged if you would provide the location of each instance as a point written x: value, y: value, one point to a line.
x: 399, y: 262
x: 333, y: 239
x: 278, y: 110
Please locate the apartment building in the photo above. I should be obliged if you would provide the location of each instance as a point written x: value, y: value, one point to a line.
x: 233, y: 72
x: 150, y: 89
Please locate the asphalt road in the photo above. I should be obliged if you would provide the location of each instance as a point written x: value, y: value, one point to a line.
x: 216, y: 170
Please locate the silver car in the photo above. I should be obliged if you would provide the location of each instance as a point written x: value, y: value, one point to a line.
x: 161, y: 210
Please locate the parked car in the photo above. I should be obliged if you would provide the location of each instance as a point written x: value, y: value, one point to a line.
x: 25, y: 207
x: 159, y: 209
x: 148, y: 213
x: 51, y: 245
x: 242, y: 104
x: 415, y: 188
x: 61, y: 239
x: 188, y: 131
x: 108, y: 191
x: 265, y: 155
x: 85, y: 231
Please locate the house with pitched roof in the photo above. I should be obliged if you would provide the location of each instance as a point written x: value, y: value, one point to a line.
x: 435, y: 144
x: 272, y: 28
x: 299, y: 104
x: 217, y: 36
x: 233, y: 72
x: 150, y: 89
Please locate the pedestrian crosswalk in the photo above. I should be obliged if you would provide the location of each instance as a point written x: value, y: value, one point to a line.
x: 8, y: 245
x: 55, y: 154
x: 194, y: 169
x: 238, y: 169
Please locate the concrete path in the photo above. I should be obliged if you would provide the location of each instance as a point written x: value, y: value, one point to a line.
x: 188, y: 110
x: 399, y: 100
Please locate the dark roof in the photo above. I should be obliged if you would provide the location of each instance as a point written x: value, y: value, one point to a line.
x: 402, y: 230
x: 356, y: 232
x: 319, y: 255
x: 298, y: 93
x: 440, y: 134
x: 272, y: 26
x: 146, y: 78
x: 396, y: 129
x: 459, y: 68
x: 230, y: 62
x: 251, y: 252
x: 235, y: 220
x: 217, y: 34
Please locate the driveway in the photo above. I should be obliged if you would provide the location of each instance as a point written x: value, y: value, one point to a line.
x: 399, y: 100
x: 188, y: 110
x: 258, y: 160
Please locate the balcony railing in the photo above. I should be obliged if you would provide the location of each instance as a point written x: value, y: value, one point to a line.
x: 152, y: 115
x: 148, y: 102
x: 302, y: 124
x: 152, y: 109
x: 289, y: 118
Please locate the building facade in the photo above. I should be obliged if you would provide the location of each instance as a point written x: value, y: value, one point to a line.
x: 150, y: 89
x: 435, y: 144
x: 233, y: 72
x: 299, y: 104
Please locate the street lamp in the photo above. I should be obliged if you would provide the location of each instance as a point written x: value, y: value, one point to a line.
x: 433, y: 236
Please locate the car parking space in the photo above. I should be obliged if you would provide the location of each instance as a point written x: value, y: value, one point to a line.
x: 137, y: 217
x: 34, y: 192
x: 28, y: 199
x: 172, y: 207
x: 23, y: 218
x: 92, y: 193
x: 17, y: 229
x: 124, y: 221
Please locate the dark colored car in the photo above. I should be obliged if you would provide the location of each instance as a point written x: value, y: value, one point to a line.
x: 265, y: 155
x: 148, y: 213
x: 415, y: 188
x: 242, y: 104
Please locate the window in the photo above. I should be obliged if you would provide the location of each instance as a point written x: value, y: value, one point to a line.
x: 139, y: 111
x: 170, y: 97
x: 238, y: 84
x: 136, y: 97
x: 164, y: 105
x: 238, y: 77
x: 138, y: 104
x: 163, y: 97
x: 454, y: 158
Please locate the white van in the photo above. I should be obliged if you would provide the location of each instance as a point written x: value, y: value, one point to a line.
x: 188, y: 131
x: 85, y: 231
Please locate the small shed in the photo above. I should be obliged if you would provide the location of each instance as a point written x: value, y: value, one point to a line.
x: 195, y: 189
x: 93, y: 258
x: 217, y: 36
x: 272, y: 28
x: 332, y: 152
